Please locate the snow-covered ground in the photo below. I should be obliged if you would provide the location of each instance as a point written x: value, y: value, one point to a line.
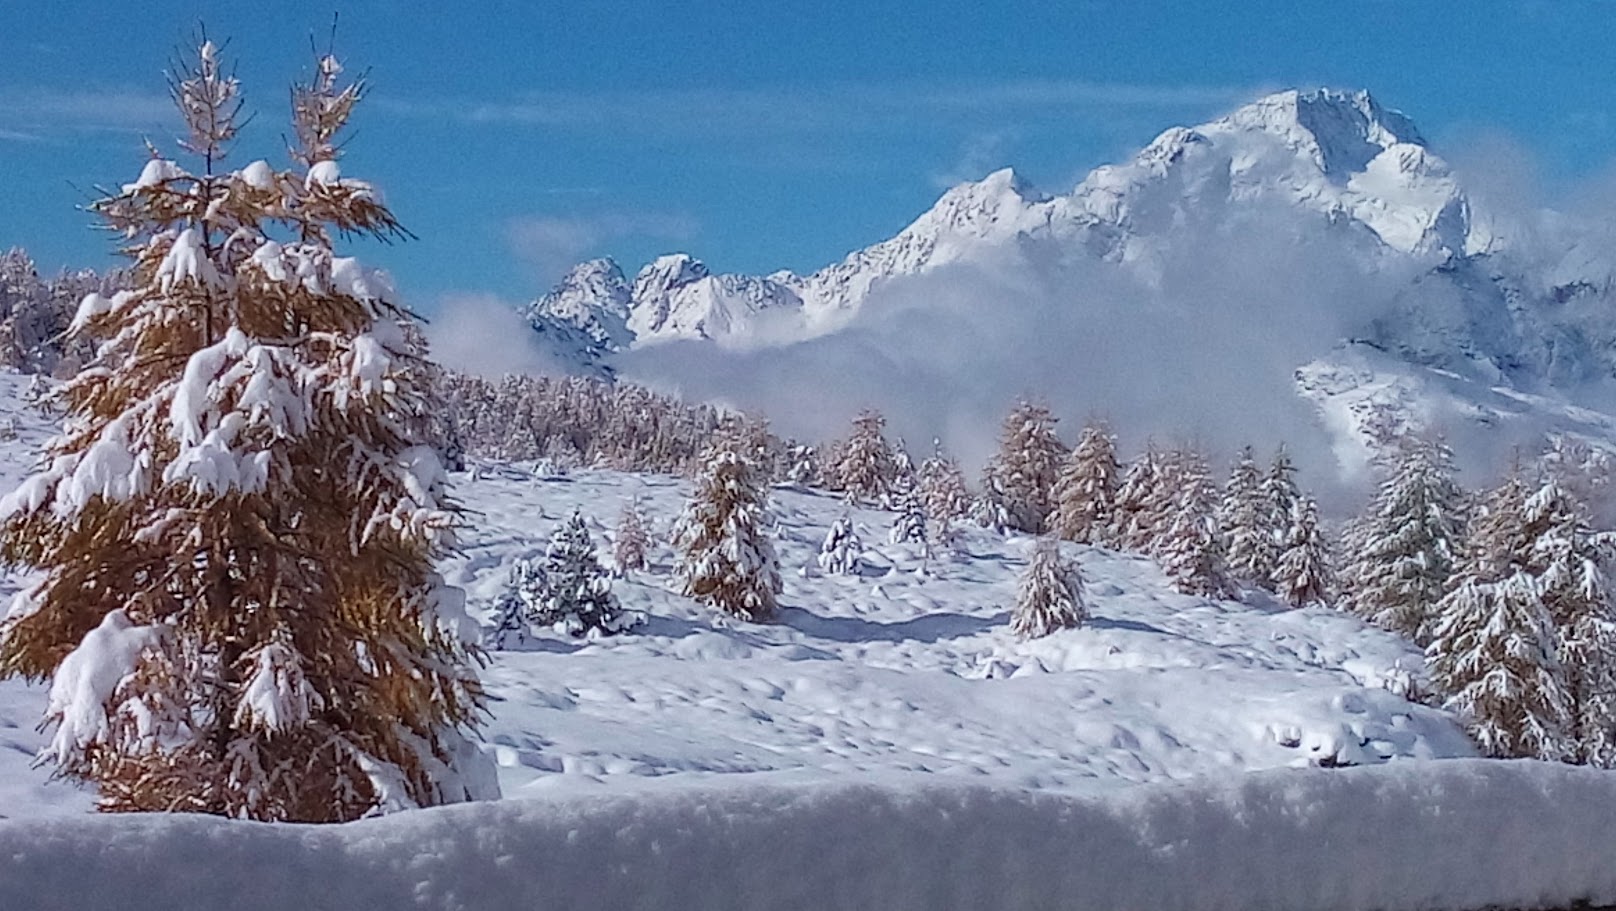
x: 886, y: 743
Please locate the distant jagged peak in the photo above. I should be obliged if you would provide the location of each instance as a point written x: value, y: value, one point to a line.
x: 667, y: 273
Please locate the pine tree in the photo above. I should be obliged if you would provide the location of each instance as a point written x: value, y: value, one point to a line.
x: 1302, y: 575
x: 839, y: 552
x: 1405, y: 547
x: 1494, y: 650
x: 726, y: 557
x: 864, y: 464
x: 1020, y: 479
x: 576, y: 593
x: 1086, y: 491
x: 632, y: 540
x: 1190, y: 552
x: 1247, y: 523
x: 236, y: 530
x: 1051, y: 593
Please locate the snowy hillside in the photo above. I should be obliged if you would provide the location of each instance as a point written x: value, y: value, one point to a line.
x: 1387, y: 245
x: 887, y: 741
x: 907, y: 667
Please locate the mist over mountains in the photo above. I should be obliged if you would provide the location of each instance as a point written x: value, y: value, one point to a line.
x: 1305, y: 268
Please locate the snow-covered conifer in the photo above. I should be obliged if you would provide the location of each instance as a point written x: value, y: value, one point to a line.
x: 1571, y: 583
x: 1494, y: 651
x: 1020, y: 478
x: 576, y: 590
x: 942, y: 489
x: 632, y: 540
x: 726, y: 557
x: 1135, y: 524
x: 1190, y: 551
x: 1086, y: 491
x: 1303, y: 573
x: 864, y: 464
x: 1405, y: 546
x: 839, y: 552
x: 518, y: 603
x: 1251, y: 525
x: 909, y: 523
x: 1279, y: 491
x: 1051, y: 593
x: 236, y: 529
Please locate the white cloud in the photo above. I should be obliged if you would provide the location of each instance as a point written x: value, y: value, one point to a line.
x: 799, y: 110
x: 35, y: 110
x: 482, y: 334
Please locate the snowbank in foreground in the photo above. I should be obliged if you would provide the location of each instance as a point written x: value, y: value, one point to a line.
x: 1449, y: 834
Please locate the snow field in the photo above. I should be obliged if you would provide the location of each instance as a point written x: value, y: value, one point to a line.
x: 909, y: 665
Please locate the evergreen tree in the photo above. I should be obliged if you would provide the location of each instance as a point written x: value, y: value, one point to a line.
x: 1302, y: 575
x: 522, y: 599
x: 726, y: 557
x: 1086, y: 491
x: 864, y: 465
x: 1051, y: 593
x: 909, y: 525
x: 632, y: 540
x: 1251, y: 525
x: 576, y: 592
x: 1406, y: 545
x: 839, y: 552
x: 1190, y: 551
x: 1494, y: 650
x: 1020, y: 479
x: 236, y: 529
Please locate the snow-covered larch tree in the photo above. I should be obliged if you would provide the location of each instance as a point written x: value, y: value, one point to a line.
x: 1136, y: 523
x: 1189, y: 551
x: 1493, y: 654
x: 1568, y: 568
x: 631, y: 541
x: 1086, y: 490
x: 1303, y: 574
x: 1051, y: 594
x: 726, y: 557
x: 1405, y: 547
x: 864, y: 463
x: 1250, y: 525
x: 236, y: 528
x: 1020, y: 478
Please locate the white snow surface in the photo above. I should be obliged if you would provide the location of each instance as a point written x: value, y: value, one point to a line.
x: 886, y: 743
x: 1464, y: 834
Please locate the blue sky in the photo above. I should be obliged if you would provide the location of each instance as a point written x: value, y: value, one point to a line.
x: 514, y: 138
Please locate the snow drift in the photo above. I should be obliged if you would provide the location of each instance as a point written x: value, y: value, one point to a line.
x: 1451, y: 834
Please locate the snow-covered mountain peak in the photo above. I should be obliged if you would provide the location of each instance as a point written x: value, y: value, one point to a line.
x: 1340, y: 131
x: 665, y: 273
